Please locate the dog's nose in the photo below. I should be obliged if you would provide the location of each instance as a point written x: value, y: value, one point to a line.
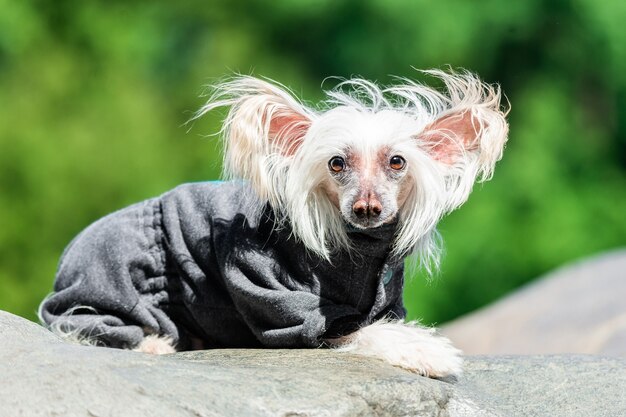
x: 363, y: 208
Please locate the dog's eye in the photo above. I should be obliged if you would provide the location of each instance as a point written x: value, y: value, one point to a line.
x: 397, y: 162
x: 337, y: 164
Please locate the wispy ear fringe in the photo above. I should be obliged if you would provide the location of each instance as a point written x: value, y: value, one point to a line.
x: 290, y: 181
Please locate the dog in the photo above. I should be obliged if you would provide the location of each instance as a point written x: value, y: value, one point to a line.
x: 303, y: 245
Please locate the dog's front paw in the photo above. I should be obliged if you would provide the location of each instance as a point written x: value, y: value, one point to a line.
x: 407, y: 345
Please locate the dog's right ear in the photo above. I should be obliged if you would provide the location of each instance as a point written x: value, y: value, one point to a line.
x: 263, y: 129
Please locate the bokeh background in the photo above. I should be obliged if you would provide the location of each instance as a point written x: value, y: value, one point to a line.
x: 94, y: 96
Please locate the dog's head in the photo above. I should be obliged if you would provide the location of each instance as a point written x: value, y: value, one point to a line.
x: 371, y: 156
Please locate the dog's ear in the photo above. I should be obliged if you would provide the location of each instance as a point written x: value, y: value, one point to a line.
x: 286, y: 130
x: 468, y: 136
x: 263, y: 129
x: 448, y: 138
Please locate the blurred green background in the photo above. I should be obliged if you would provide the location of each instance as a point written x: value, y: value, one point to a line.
x: 94, y: 95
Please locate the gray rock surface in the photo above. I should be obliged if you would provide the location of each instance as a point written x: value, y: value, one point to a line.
x: 580, y: 308
x: 41, y: 375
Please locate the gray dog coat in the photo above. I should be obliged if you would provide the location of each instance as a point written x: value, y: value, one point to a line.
x: 208, y: 261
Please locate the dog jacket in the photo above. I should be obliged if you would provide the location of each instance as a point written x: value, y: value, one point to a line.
x: 207, y: 261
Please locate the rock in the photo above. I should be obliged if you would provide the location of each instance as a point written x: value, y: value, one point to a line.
x: 50, y: 377
x: 538, y: 386
x: 41, y: 375
x: 579, y: 308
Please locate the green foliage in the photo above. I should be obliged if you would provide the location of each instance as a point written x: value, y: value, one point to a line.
x: 94, y: 96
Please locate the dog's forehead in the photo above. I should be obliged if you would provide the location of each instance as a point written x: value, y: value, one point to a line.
x: 366, y: 130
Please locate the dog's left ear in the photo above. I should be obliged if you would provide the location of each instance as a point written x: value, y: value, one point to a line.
x: 468, y: 138
x: 450, y: 137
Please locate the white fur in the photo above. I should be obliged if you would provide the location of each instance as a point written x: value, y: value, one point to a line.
x: 156, y: 345
x: 79, y: 336
x: 288, y: 166
x: 408, y: 345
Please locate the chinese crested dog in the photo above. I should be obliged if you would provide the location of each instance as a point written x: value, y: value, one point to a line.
x: 304, y: 245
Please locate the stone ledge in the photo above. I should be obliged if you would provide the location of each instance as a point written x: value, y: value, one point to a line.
x: 576, y: 308
x: 44, y: 376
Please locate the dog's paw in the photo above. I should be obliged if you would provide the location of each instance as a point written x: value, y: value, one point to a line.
x: 156, y: 345
x: 407, y: 345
